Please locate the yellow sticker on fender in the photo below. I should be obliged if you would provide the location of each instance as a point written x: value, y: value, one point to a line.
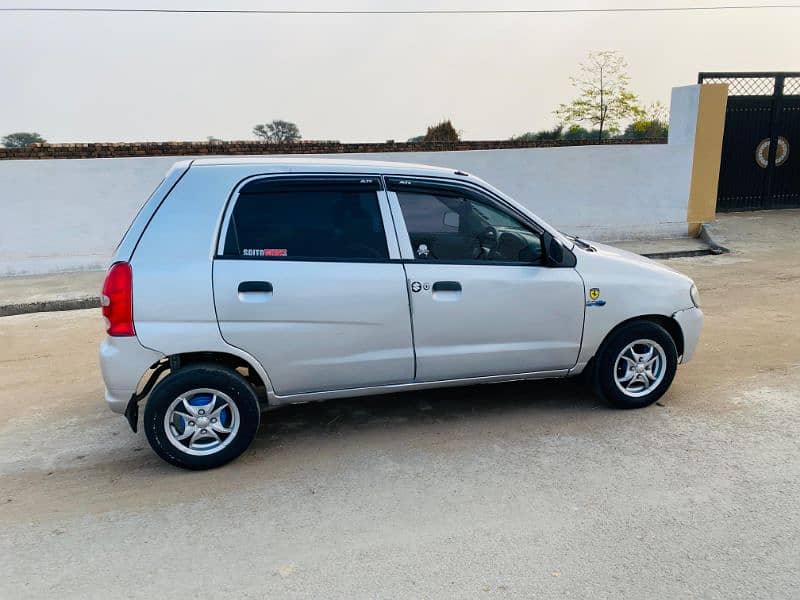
x: 594, y: 293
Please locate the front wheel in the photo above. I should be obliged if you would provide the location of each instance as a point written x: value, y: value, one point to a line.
x: 636, y: 365
x: 201, y: 417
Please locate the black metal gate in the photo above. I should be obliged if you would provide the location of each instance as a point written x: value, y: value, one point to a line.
x: 760, y: 166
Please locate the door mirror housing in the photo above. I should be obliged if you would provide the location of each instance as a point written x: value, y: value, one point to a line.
x: 556, y: 255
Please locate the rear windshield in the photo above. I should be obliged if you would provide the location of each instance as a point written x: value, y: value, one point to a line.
x: 311, y: 221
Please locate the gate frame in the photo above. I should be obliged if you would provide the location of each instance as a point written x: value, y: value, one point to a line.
x: 779, y: 77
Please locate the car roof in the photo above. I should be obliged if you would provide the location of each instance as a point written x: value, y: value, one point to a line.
x: 327, y: 165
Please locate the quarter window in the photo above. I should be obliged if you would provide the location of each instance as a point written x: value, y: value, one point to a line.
x: 307, y: 221
x: 444, y: 226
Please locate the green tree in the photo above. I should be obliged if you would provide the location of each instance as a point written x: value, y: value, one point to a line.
x: 544, y: 134
x: 277, y: 132
x: 442, y: 132
x: 652, y: 122
x: 576, y: 132
x: 604, y: 100
x: 22, y: 139
x: 642, y: 129
x: 416, y: 139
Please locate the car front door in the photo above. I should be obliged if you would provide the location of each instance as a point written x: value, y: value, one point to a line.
x: 306, y: 279
x: 483, y: 300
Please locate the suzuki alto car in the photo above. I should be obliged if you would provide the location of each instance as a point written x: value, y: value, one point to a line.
x: 245, y: 284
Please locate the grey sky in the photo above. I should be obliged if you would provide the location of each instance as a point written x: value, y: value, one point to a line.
x: 129, y: 77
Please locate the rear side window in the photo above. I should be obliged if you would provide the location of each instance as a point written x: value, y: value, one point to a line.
x: 307, y: 220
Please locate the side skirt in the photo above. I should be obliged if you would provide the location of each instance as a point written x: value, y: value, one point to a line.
x: 275, y: 400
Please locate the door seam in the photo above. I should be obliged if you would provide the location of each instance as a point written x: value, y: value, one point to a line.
x: 405, y: 277
x: 411, y: 322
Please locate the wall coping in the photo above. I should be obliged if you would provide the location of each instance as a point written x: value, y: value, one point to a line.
x: 249, y: 147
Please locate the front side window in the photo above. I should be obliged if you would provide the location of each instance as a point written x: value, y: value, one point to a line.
x: 307, y: 221
x: 448, y: 226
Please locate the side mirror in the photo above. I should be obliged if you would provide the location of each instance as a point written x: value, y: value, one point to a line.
x: 554, y: 253
x: 451, y: 219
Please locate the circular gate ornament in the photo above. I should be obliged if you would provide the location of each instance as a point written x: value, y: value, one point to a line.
x: 781, y: 153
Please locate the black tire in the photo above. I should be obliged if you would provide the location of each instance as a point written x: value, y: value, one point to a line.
x: 214, y: 377
x: 605, y: 363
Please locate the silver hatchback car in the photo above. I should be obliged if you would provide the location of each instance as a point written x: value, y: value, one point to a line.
x: 245, y: 284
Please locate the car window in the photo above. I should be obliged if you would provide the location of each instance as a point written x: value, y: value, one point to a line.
x: 452, y: 227
x: 425, y: 213
x: 309, y: 223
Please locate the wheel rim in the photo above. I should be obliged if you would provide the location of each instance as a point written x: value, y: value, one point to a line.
x: 640, y: 368
x: 202, y: 421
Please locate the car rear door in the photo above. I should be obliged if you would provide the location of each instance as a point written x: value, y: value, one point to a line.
x: 483, y: 302
x: 306, y: 279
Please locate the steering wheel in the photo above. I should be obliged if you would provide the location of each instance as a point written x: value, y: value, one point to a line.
x: 489, y: 237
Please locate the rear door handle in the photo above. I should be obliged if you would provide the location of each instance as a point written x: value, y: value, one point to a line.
x: 251, y: 292
x: 255, y: 286
x: 447, y: 286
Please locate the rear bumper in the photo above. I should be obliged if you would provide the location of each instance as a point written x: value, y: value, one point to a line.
x: 117, y: 400
x: 123, y: 361
x: 691, y: 322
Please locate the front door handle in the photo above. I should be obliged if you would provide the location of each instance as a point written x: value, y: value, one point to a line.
x: 447, y: 286
x: 255, y: 286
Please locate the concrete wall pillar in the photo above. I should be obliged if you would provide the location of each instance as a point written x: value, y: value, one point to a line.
x: 696, y: 125
x: 709, y: 131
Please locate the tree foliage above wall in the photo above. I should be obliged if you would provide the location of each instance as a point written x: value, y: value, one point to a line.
x: 442, y: 132
x: 604, y: 99
x: 605, y: 107
x: 277, y: 132
x: 22, y: 139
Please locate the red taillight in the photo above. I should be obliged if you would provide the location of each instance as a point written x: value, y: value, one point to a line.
x: 117, y: 300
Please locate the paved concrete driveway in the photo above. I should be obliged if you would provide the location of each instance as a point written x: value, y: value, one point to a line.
x: 530, y: 490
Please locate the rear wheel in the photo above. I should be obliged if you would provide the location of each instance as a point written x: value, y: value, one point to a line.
x: 201, y: 417
x: 636, y: 365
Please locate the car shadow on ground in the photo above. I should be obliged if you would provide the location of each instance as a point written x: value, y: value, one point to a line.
x: 301, y: 432
x: 443, y: 405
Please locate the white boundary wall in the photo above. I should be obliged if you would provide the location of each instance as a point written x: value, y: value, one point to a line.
x: 69, y: 214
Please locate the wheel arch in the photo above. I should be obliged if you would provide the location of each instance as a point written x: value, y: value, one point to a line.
x: 173, y: 363
x: 671, y: 326
x: 668, y: 323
